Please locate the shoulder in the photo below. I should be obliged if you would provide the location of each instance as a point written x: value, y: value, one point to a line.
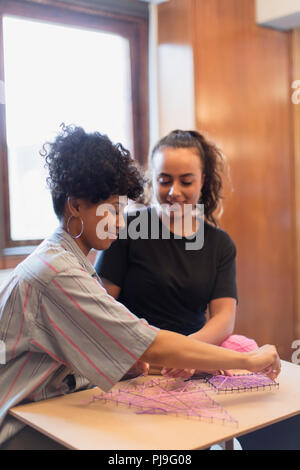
x: 47, y: 261
x: 218, y: 237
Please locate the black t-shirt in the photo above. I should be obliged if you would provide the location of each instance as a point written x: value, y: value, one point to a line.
x: 165, y: 283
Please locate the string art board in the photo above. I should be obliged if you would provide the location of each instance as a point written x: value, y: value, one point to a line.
x: 184, y: 398
x: 240, y: 383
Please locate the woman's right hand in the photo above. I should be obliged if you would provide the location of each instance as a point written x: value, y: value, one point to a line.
x: 265, y: 360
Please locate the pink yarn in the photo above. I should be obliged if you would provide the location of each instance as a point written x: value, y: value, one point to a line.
x: 239, y: 343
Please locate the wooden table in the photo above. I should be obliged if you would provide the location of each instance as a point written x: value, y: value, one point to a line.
x: 76, y: 425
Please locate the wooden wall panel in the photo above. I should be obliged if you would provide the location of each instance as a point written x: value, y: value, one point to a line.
x: 176, y: 99
x: 242, y: 86
x: 296, y: 122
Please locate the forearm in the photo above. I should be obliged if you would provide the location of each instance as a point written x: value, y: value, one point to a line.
x: 173, y: 350
x: 217, y: 329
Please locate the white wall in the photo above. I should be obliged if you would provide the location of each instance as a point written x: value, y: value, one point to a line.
x: 153, y: 78
x: 280, y: 14
x: 171, y: 83
x: 176, y: 90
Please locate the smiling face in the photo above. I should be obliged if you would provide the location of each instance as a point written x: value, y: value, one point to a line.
x: 177, y: 178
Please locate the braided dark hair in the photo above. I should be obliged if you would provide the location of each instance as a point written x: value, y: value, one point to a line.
x: 212, y: 162
x: 89, y: 166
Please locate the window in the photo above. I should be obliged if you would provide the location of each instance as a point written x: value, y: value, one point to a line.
x: 62, y: 67
x: 63, y: 82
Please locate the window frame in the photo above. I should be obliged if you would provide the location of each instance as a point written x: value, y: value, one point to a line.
x: 135, y: 29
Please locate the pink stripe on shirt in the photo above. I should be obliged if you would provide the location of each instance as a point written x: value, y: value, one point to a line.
x: 16, y: 377
x: 149, y: 326
x: 50, y: 353
x: 93, y: 320
x: 80, y: 351
x: 113, y: 300
x: 22, y: 323
x: 47, y: 264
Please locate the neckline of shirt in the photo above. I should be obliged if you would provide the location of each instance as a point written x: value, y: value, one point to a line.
x: 67, y: 242
x: 173, y: 235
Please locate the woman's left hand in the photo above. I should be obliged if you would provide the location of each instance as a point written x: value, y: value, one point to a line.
x: 176, y: 373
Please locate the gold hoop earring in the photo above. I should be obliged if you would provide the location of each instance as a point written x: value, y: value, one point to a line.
x: 68, y: 227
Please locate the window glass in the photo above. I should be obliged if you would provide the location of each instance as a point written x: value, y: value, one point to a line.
x: 56, y: 74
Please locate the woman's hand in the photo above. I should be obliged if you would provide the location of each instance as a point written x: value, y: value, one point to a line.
x: 176, y: 373
x: 139, y: 368
x: 265, y: 360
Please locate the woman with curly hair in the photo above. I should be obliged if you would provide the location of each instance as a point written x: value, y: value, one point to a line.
x: 161, y: 279
x: 61, y: 329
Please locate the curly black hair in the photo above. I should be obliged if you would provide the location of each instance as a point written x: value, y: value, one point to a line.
x: 90, y: 167
x: 213, y: 167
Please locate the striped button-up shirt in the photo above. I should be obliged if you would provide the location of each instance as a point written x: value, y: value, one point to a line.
x: 57, y: 323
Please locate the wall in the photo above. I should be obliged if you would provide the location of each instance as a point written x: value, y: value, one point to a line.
x: 176, y: 98
x: 127, y: 7
x: 242, y: 79
x: 277, y: 11
x: 296, y: 140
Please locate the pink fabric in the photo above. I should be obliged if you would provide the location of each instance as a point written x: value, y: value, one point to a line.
x: 239, y: 343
